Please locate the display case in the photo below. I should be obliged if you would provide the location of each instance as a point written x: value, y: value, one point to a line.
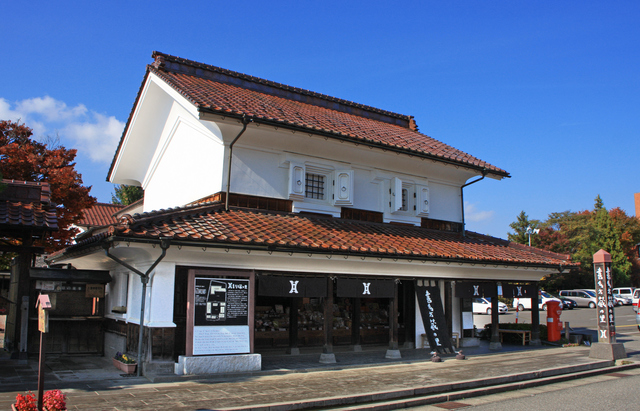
x: 272, y: 323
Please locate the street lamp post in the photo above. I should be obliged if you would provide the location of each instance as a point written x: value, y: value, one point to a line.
x: 530, y: 230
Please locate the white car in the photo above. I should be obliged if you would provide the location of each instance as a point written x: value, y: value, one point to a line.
x: 625, y: 292
x: 635, y: 299
x: 620, y: 300
x: 525, y: 303
x: 483, y: 306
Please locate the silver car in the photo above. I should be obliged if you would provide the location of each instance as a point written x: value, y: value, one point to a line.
x: 583, y: 298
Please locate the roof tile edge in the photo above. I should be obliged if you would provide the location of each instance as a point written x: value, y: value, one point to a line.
x: 169, y: 63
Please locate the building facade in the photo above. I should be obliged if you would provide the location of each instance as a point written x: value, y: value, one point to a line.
x: 278, y: 217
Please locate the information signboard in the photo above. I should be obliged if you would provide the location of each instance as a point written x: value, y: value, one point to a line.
x: 221, y: 316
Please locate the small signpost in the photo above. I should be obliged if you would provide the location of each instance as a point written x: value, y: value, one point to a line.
x: 43, y: 305
x: 606, y: 348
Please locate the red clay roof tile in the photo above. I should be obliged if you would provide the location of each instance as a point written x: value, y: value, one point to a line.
x: 216, y: 90
x: 293, y: 232
x: 100, y: 214
x: 26, y: 205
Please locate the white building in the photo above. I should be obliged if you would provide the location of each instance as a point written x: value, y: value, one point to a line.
x: 256, y: 191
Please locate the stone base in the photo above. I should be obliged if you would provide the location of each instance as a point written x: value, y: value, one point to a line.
x: 218, y: 364
x: 535, y: 342
x: 495, y: 346
x: 469, y: 342
x: 293, y: 351
x: 327, y: 358
x: 357, y: 348
x: 393, y: 354
x: 606, y: 351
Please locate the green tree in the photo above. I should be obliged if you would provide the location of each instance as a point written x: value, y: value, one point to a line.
x: 520, y: 227
x: 126, y: 195
x: 582, y: 234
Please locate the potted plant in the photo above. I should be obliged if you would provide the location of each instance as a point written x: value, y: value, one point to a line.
x: 124, y: 363
x: 53, y: 400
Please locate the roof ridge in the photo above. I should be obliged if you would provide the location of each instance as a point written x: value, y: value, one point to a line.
x: 167, y: 62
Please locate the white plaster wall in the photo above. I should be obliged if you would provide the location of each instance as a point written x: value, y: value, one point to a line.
x: 187, y: 166
x: 258, y: 172
x: 117, y: 294
x: 161, y: 292
x: 445, y: 202
x: 146, y: 128
x: 263, y: 171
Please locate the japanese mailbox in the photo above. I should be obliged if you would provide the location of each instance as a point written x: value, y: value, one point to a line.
x: 43, y: 305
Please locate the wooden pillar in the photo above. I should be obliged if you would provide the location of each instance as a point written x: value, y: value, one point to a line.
x: 393, y: 351
x: 356, y: 339
x: 293, y: 349
x: 535, y: 317
x: 495, y: 324
x: 409, y: 313
x: 327, y: 356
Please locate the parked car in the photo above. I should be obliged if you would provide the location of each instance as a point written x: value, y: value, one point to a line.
x: 525, y: 303
x: 567, y: 303
x: 584, y: 298
x: 635, y: 298
x: 483, y: 306
x: 624, y: 292
x: 620, y: 300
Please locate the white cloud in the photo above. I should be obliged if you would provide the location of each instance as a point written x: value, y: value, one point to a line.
x: 94, y: 135
x: 472, y: 213
x: 51, y: 109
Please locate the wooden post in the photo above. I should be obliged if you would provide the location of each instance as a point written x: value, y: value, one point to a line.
x: 606, y: 348
x: 41, y: 370
x: 535, y: 317
x: 43, y: 305
x: 327, y: 356
x: 293, y: 326
x: 355, y: 325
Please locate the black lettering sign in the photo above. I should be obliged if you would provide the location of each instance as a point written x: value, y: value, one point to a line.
x: 471, y: 289
x: 364, y: 288
x: 220, y: 301
x: 518, y: 291
x: 435, y: 324
x: 286, y: 286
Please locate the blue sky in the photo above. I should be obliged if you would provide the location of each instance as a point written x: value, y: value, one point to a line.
x: 547, y: 90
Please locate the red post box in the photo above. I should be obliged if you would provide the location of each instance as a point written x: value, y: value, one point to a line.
x: 554, y: 325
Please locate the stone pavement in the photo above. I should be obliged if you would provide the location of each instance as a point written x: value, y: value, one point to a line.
x: 298, y: 382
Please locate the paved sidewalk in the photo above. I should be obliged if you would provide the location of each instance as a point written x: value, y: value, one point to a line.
x: 287, y: 385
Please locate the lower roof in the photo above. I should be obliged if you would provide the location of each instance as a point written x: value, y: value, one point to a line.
x: 210, y: 225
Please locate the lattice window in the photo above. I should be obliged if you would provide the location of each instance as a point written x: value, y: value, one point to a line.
x: 315, y: 186
x: 405, y: 199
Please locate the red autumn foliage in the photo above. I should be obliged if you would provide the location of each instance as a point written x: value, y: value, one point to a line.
x: 22, y: 158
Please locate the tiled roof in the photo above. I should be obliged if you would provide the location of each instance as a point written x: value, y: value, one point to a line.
x: 100, y: 214
x: 26, y: 206
x: 215, y: 90
x: 210, y: 224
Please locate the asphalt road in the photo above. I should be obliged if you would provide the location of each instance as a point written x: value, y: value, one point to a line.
x: 609, y: 392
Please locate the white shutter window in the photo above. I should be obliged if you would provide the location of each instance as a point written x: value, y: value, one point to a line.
x: 422, y: 201
x: 343, y: 188
x: 297, y: 176
x: 395, y: 200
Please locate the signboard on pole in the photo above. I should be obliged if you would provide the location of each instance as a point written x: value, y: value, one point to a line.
x: 604, y: 285
x: 221, y: 316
